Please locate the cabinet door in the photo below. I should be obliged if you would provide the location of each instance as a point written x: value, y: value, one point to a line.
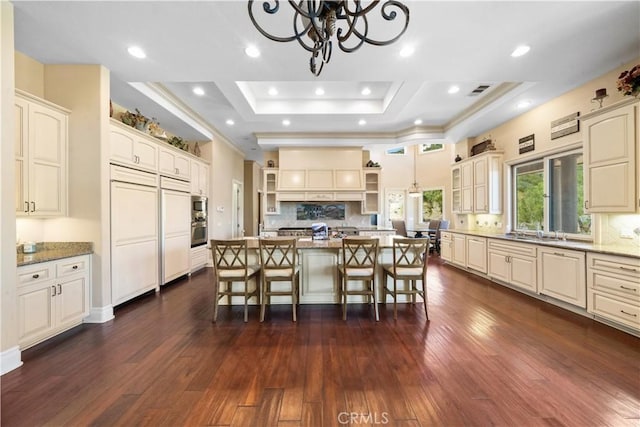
x: 204, y: 179
x: 122, y: 147
x: 459, y: 250
x: 171, y: 163
x: 466, y: 192
x: 523, y: 272
x: 318, y: 276
x: 146, y: 153
x: 610, y: 143
x: 21, y: 159
x: 477, y: 254
x: 498, y: 266
x: 480, y: 195
x: 71, y: 302
x: 321, y: 179
x: 562, y: 275
x: 176, y: 234
x: 47, y: 161
x: 195, y: 178
x: 446, y: 249
x: 35, y: 310
x: 134, y: 240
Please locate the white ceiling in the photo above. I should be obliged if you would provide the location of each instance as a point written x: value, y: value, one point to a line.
x: 202, y: 43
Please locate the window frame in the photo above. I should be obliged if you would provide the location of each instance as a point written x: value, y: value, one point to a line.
x: 402, y: 151
x: 546, y: 159
x: 419, y: 204
x: 437, y: 150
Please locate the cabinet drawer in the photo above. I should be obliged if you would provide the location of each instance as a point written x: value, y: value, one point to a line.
x: 71, y: 266
x: 320, y: 196
x: 345, y: 197
x: 445, y: 235
x: 626, y: 266
x: 618, y: 285
x: 513, y: 249
x: 290, y: 197
x: 35, y: 274
x: 613, y: 309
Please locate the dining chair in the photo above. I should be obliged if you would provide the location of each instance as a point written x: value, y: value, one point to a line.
x: 400, y: 227
x: 433, y: 226
x: 444, y: 225
x: 231, y: 266
x: 278, y: 260
x: 359, y: 260
x: 410, y: 256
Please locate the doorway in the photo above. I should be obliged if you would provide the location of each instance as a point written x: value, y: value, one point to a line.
x: 237, y: 210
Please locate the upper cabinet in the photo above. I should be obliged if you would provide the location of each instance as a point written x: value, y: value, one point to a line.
x: 476, y: 184
x: 174, y: 164
x: 371, y: 202
x: 610, y: 141
x: 199, y: 178
x: 320, y: 180
x: 129, y: 147
x: 41, y: 130
x: 270, y: 182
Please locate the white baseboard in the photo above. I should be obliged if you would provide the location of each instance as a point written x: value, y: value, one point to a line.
x: 100, y: 314
x: 10, y: 360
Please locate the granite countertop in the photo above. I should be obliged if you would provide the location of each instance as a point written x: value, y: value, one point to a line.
x: 309, y: 243
x: 624, y: 250
x: 51, y: 251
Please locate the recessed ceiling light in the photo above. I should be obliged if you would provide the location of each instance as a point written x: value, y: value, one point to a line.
x: 319, y: 91
x: 520, y: 50
x: 407, y: 51
x: 273, y: 91
x: 230, y: 122
x: 366, y: 91
x: 523, y: 104
x: 137, y: 52
x: 252, y: 51
x: 286, y: 122
x: 362, y: 122
x: 198, y: 91
x: 454, y: 89
x: 417, y: 122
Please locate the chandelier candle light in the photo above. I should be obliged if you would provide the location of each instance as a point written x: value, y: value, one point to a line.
x: 316, y: 21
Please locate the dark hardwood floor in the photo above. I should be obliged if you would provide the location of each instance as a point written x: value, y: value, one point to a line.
x: 489, y: 356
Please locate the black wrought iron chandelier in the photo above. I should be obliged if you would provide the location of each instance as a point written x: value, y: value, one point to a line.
x: 315, y: 23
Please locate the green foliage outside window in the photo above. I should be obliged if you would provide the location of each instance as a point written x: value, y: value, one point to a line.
x: 425, y: 148
x: 431, y: 205
x: 530, y: 200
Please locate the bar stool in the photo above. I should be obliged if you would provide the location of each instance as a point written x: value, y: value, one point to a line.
x: 359, y: 260
x: 278, y: 264
x: 230, y: 265
x: 410, y: 256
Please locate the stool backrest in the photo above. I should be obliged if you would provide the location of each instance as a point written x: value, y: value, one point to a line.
x: 229, y: 255
x: 359, y: 252
x: 410, y: 253
x: 278, y: 253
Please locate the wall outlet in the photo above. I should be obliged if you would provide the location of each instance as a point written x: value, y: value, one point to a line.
x: 626, y: 233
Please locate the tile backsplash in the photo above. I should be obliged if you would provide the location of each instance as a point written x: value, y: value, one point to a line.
x: 623, y: 230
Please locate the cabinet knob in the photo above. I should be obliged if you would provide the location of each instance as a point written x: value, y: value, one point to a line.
x: 75, y: 267
x: 59, y: 289
x: 628, y: 314
x: 53, y: 293
x: 33, y: 206
x: 26, y: 206
x: 628, y: 269
x: 626, y: 288
x: 35, y: 276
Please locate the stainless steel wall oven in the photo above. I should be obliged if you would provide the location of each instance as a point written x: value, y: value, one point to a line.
x: 198, y: 221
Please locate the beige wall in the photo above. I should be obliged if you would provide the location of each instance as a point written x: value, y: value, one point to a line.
x: 29, y: 75
x: 227, y: 165
x: 252, y: 185
x: 9, y: 352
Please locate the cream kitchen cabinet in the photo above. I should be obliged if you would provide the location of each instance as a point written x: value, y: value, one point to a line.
x: 458, y: 249
x: 446, y: 246
x: 52, y: 297
x: 476, y: 253
x: 371, y: 202
x: 270, y: 188
x: 199, y: 178
x: 320, y: 180
x: 348, y: 179
x: 199, y: 257
x: 41, y: 130
x: 476, y: 184
x: 561, y: 275
x: 174, y: 164
x: 134, y: 233
x: 613, y: 288
x: 513, y: 263
x: 291, y: 180
x: 611, y: 139
x: 176, y: 228
x: 132, y: 148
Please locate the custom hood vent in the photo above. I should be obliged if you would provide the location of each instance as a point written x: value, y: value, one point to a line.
x: 477, y: 91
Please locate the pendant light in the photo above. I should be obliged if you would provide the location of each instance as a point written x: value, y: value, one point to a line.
x: 414, y: 190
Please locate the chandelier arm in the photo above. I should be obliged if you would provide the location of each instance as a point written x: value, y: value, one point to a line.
x: 312, y: 13
x: 388, y: 17
x: 352, y: 31
x: 359, y: 11
x: 271, y: 11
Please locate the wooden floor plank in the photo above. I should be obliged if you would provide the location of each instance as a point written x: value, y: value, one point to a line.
x: 488, y: 356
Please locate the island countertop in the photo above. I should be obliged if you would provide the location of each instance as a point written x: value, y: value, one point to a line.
x: 310, y: 243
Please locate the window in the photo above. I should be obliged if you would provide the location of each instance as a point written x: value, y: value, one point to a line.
x: 395, y: 204
x: 398, y: 150
x: 426, y: 148
x: 548, y: 195
x: 431, y: 204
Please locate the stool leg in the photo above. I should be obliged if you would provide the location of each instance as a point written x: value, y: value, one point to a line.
x: 375, y: 303
x: 216, y: 297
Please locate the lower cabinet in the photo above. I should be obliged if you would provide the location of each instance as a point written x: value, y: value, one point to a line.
x: 52, y: 297
x: 319, y: 276
x: 476, y: 253
x: 446, y: 246
x: 199, y: 256
x: 458, y: 249
x: 561, y: 275
x: 613, y: 288
x: 513, y: 263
